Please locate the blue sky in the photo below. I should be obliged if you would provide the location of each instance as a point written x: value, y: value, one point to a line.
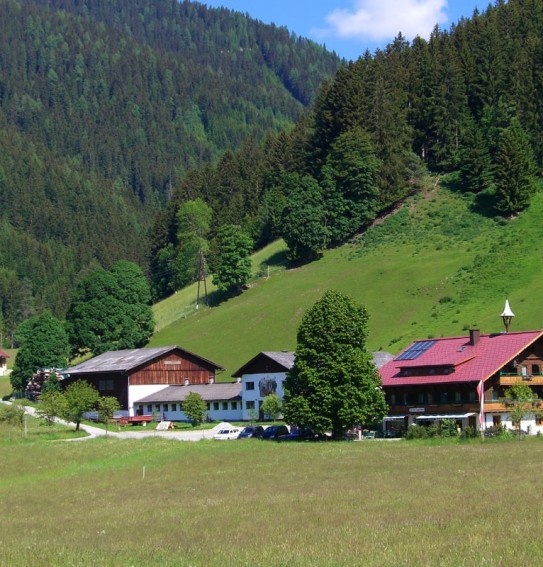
x: 350, y: 26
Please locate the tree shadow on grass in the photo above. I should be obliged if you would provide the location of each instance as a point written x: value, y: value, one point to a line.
x: 277, y: 260
x: 480, y: 203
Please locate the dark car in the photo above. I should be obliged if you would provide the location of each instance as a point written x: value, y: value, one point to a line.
x: 274, y: 431
x: 251, y: 431
x: 302, y: 434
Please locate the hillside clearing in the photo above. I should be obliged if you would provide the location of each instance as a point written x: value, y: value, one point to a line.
x: 435, y: 268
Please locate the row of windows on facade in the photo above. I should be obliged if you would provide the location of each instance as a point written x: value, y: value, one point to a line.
x: 428, y: 398
x: 249, y: 405
x: 523, y: 370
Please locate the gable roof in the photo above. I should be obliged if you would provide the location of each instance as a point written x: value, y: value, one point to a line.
x: 129, y: 360
x: 455, y: 359
x: 209, y: 392
x: 283, y: 358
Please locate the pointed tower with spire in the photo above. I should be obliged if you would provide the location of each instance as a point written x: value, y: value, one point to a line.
x: 507, y: 315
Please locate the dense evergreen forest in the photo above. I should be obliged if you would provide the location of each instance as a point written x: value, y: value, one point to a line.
x: 108, y: 127
x: 104, y: 108
x: 468, y: 99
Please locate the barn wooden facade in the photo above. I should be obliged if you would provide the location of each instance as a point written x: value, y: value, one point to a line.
x: 130, y: 375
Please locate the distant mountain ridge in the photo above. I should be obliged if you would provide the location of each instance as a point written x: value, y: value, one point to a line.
x: 104, y: 106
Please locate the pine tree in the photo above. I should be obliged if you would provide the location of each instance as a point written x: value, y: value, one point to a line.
x: 514, y: 170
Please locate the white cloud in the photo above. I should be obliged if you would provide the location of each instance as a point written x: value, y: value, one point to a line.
x: 378, y: 20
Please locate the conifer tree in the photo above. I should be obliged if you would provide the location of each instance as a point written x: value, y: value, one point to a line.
x: 514, y: 170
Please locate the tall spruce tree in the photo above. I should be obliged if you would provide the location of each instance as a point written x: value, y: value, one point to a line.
x: 514, y: 170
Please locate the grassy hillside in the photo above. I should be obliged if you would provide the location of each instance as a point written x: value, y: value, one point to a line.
x: 436, y: 267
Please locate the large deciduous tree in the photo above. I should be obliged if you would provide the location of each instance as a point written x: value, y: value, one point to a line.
x: 233, y: 266
x: 43, y: 344
x: 334, y: 384
x: 110, y: 310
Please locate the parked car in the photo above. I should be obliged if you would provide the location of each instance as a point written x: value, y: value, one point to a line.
x: 251, y: 431
x: 274, y: 431
x: 227, y: 433
x: 303, y: 434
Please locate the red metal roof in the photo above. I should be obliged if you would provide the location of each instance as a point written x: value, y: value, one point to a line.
x: 3, y: 354
x: 469, y: 363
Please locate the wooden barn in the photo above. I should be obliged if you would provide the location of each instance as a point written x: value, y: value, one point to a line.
x: 131, y: 375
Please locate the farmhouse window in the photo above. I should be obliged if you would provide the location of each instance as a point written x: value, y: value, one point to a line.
x: 150, y: 408
x: 216, y: 406
x: 225, y: 406
x: 457, y: 396
x: 174, y: 407
x: 535, y: 369
x: 249, y: 385
x: 105, y: 385
x: 157, y: 407
x: 235, y: 405
x: 250, y: 405
x: 165, y: 407
x: 208, y: 406
x: 495, y: 396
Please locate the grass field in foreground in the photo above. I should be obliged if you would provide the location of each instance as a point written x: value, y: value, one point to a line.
x: 372, y: 503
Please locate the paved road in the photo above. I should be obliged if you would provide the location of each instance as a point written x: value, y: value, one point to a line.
x: 172, y: 434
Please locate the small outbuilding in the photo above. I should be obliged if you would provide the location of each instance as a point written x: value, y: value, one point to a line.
x: 223, y: 401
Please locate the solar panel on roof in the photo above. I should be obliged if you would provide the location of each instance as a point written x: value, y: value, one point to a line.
x: 415, y: 350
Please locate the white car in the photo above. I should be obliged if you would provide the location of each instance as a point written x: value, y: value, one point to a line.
x: 227, y: 433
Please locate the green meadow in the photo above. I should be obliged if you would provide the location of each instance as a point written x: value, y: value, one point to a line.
x: 374, y: 503
x: 436, y: 267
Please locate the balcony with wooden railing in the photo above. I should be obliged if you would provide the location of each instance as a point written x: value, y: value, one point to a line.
x: 506, y: 379
x: 435, y: 408
x: 489, y: 406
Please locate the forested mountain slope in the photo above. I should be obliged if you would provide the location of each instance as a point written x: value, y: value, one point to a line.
x: 468, y: 99
x: 104, y: 106
x: 436, y: 267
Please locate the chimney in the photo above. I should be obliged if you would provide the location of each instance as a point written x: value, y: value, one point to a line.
x: 187, y: 381
x: 211, y: 380
x: 238, y: 380
x: 474, y: 336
